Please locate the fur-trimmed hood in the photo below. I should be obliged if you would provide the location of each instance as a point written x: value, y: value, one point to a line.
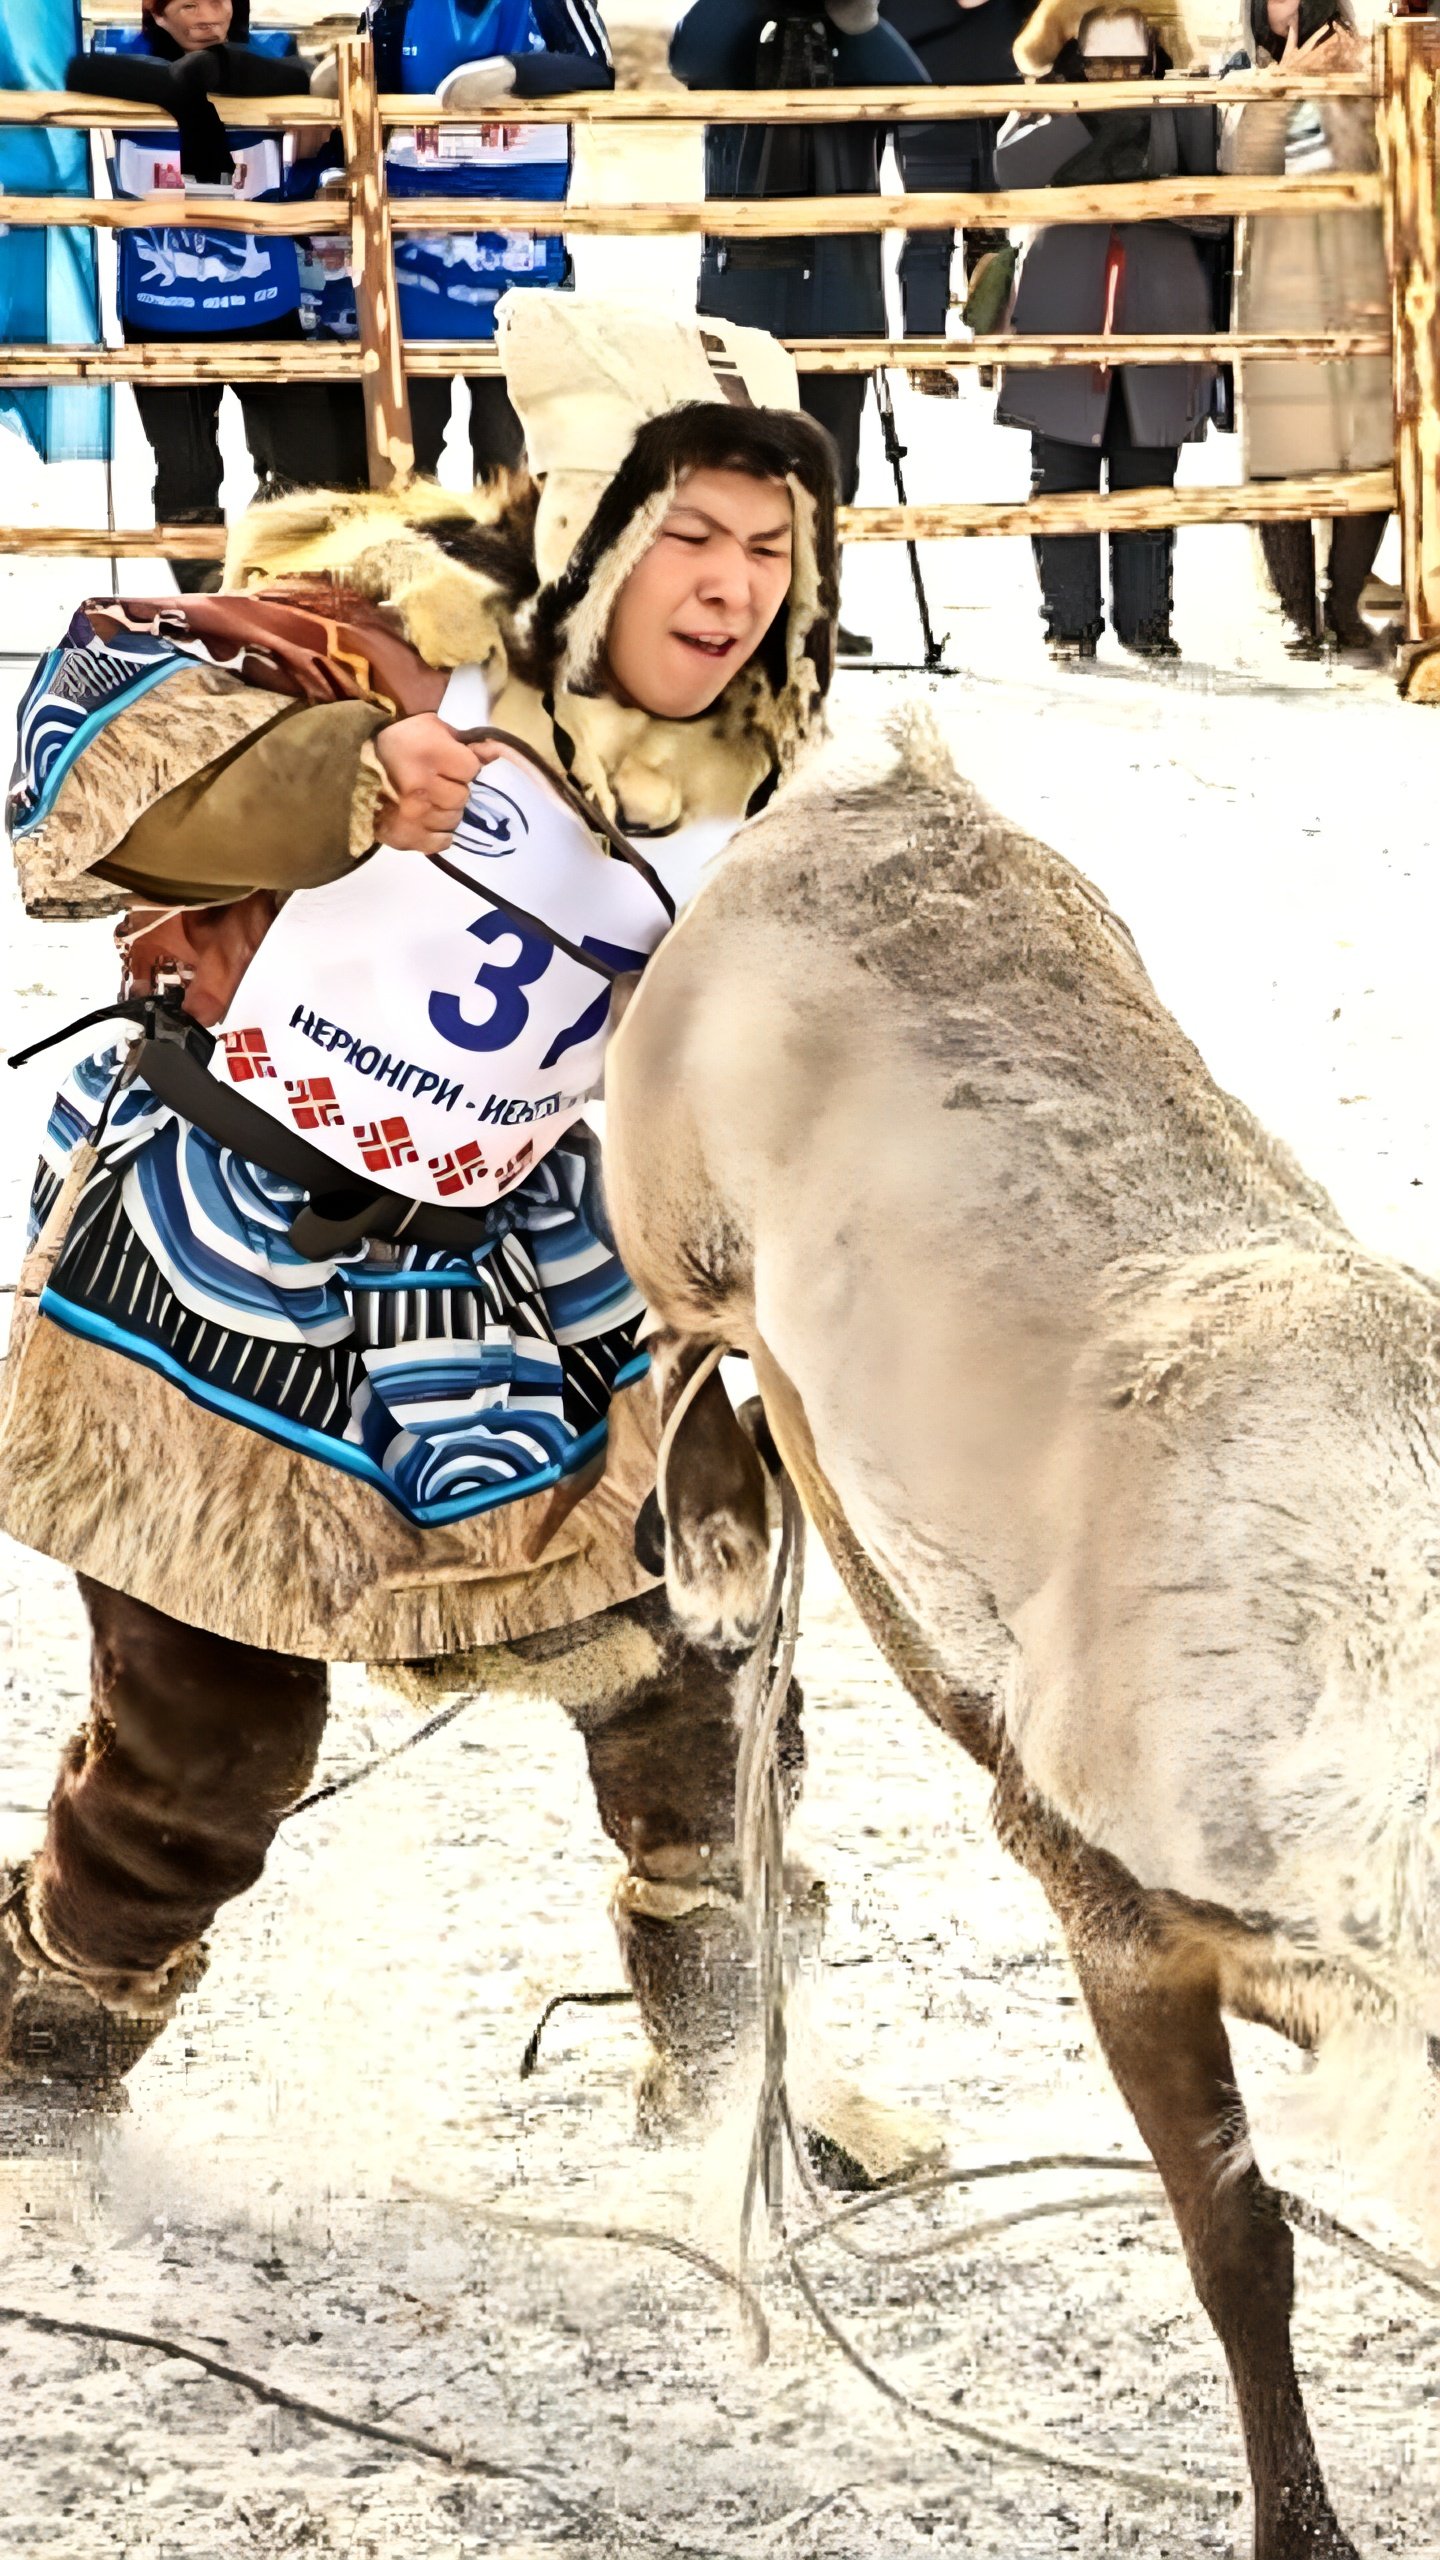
x: 459, y: 574
x: 1057, y: 23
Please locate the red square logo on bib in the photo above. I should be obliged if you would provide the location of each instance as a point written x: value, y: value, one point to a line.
x: 384, y: 1143
x: 456, y: 1172
x: 246, y: 1055
x: 312, y: 1103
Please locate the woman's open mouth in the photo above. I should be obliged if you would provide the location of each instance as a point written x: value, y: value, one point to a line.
x: 710, y: 644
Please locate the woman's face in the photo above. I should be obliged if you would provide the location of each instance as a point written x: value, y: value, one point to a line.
x: 194, y: 24
x: 702, y: 599
x: 1281, y: 15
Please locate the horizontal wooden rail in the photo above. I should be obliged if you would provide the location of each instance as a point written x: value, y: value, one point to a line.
x: 183, y: 360
x: 1220, y: 346
x: 781, y: 218
x: 1340, y: 493
x: 1253, y: 502
x: 712, y: 106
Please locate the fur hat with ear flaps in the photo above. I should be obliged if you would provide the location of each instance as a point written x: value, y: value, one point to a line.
x: 1057, y: 23
x: 521, y: 576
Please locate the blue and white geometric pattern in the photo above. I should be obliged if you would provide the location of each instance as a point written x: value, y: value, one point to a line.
x: 73, y: 693
x: 451, y: 1381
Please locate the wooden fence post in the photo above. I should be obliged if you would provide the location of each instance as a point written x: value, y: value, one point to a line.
x: 1410, y: 68
x: 389, y: 436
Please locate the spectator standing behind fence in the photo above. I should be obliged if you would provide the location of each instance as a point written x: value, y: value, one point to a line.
x: 1312, y: 271
x: 963, y: 44
x: 1142, y: 277
x: 210, y: 286
x: 816, y: 287
x: 471, y: 53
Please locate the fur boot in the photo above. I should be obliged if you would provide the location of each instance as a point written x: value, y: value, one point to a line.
x: 690, y: 1960
x: 60, y: 2040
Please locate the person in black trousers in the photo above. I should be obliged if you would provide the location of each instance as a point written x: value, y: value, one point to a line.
x: 1098, y: 278
x: 210, y: 286
x: 963, y: 44
x: 818, y: 287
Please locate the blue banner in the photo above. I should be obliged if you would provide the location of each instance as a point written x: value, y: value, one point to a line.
x: 49, y: 280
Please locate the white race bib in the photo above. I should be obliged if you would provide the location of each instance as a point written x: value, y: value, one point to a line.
x: 414, y: 1033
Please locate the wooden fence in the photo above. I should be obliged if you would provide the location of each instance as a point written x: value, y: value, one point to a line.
x: 1403, y: 81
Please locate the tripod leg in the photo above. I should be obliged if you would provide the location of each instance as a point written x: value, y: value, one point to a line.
x: 895, y: 455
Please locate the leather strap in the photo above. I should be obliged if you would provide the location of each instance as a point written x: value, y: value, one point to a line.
x: 574, y: 799
x: 341, y: 1210
x: 174, y: 1061
x: 521, y: 917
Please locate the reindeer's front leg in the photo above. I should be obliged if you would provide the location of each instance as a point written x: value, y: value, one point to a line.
x: 710, y: 1525
x: 1156, y: 2007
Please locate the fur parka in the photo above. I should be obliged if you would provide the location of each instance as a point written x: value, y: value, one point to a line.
x: 235, y: 745
x: 455, y: 580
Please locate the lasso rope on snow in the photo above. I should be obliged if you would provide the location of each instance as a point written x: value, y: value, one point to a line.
x: 382, y: 1759
x: 759, y: 1837
x: 760, y: 1848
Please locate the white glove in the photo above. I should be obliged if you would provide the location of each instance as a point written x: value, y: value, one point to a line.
x: 325, y: 78
x: 478, y: 84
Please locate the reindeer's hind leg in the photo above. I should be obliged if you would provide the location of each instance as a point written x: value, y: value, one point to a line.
x: 1153, y: 1995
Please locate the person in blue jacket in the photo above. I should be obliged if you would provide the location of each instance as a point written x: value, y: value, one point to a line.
x: 212, y: 285
x: 831, y: 287
x: 472, y: 53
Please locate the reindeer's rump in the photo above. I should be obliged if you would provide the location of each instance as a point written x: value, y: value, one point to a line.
x: 414, y: 1452
x: 1230, y: 1675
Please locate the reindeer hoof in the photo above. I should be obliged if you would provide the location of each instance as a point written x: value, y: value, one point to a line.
x: 837, y: 2168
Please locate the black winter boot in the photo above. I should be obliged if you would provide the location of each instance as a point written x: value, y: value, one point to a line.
x: 1354, y: 542
x: 1289, y: 551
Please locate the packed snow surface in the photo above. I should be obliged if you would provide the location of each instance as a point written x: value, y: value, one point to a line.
x: 301, y: 2185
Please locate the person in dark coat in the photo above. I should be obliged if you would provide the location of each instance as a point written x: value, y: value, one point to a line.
x: 828, y: 287
x: 1142, y: 277
x: 963, y: 44
x: 210, y: 286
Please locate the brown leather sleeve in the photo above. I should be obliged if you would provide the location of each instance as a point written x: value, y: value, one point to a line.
x: 289, y: 808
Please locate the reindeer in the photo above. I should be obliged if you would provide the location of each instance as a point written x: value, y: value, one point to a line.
x: 1128, y: 1455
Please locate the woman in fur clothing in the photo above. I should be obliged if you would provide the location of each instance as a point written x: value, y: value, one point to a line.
x: 357, y: 1375
x: 1094, y: 277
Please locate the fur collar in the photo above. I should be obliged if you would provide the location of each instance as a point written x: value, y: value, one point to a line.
x: 459, y: 574
x: 455, y: 571
x: 1057, y: 23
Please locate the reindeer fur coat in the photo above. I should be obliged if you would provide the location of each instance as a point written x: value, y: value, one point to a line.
x: 218, y: 786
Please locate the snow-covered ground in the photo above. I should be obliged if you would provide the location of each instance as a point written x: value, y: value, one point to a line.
x: 301, y: 2183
